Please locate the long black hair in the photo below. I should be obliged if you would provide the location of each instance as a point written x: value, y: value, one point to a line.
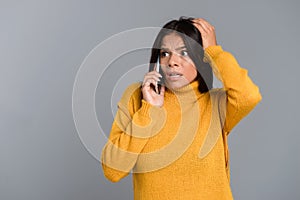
x: 193, y: 41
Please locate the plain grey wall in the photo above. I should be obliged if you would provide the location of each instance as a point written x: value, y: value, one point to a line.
x: 42, y: 45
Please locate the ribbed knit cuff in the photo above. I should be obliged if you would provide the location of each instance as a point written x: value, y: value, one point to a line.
x: 146, y: 106
x: 144, y: 110
x: 212, y: 51
x: 147, y: 121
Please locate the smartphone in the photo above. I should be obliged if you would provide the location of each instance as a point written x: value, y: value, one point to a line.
x: 162, y: 79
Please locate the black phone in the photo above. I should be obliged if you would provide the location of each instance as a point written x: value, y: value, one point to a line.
x: 162, y: 79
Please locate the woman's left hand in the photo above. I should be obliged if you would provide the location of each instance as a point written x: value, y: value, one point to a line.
x: 207, y: 32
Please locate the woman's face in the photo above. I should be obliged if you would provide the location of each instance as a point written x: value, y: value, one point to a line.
x: 178, y: 67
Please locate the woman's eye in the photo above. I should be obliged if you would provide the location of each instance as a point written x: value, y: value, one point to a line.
x: 164, y: 54
x: 184, y: 53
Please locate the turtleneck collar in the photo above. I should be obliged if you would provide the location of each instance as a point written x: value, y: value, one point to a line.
x: 188, y: 92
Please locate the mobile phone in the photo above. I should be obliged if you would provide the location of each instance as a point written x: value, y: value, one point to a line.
x: 162, y: 79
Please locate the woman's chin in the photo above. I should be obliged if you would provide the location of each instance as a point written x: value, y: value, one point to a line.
x: 176, y: 85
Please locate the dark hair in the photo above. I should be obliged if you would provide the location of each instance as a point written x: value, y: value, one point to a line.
x: 193, y: 41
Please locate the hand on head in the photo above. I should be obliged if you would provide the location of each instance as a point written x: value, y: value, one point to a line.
x: 207, y: 32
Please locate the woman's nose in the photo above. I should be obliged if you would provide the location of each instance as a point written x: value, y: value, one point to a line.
x: 173, y: 60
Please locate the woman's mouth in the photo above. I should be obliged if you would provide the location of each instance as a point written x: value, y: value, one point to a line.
x: 174, y: 76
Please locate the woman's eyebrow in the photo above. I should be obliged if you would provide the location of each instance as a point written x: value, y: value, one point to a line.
x: 179, y: 48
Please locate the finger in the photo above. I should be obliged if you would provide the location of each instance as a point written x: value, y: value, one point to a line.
x: 155, y: 76
x: 201, y: 20
x: 156, y: 88
x: 207, y: 26
x: 147, y: 82
x: 201, y: 28
x: 153, y: 72
x: 203, y: 33
x: 162, y: 90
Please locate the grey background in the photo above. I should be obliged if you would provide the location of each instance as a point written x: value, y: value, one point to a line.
x: 42, y: 45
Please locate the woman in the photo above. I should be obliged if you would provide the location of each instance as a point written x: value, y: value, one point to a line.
x: 174, y: 138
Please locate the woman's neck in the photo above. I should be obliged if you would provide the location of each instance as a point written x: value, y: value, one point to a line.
x: 189, y: 92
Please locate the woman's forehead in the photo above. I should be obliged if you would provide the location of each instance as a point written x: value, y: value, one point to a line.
x: 172, y: 41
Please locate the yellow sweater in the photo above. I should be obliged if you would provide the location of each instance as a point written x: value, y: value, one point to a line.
x: 180, y: 151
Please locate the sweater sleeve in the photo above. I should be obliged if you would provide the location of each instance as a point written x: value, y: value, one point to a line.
x: 241, y: 94
x: 134, y: 123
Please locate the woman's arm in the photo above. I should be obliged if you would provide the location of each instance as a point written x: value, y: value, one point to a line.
x: 242, y: 95
x: 131, y: 129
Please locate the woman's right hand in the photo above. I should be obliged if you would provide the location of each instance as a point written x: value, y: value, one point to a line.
x: 149, y: 94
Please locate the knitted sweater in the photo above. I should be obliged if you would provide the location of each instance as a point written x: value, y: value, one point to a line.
x: 179, y: 150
